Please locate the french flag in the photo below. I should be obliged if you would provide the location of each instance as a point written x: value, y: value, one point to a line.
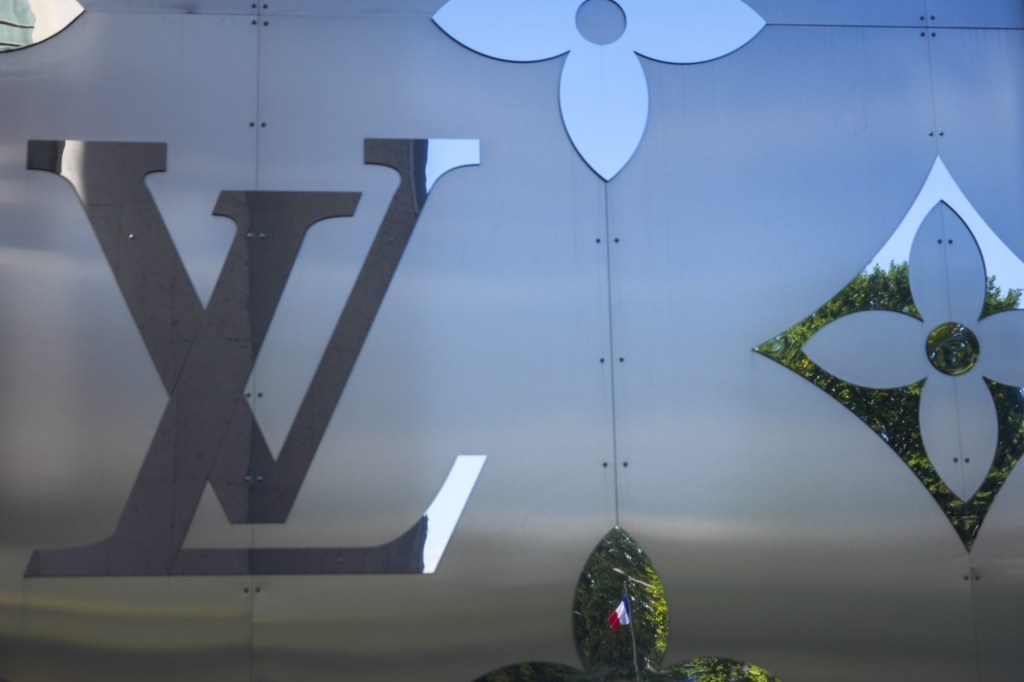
x: 620, y: 616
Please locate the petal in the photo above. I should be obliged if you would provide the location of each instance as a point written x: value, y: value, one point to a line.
x: 874, y: 349
x: 523, y: 31
x: 965, y: 269
x: 947, y: 274
x: 1001, y: 338
x: 960, y: 430
x: 688, y: 31
x: 599, y: 590
x: 603, y: 95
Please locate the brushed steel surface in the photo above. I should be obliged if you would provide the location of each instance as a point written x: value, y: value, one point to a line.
x: 979, y: 101
x: 842, y: 12
x: 988, y: 14
x: 172, y: 6
x: 488, y: 342
x: 81, y: 398
x: 787, y: 534
x: 785, y: 531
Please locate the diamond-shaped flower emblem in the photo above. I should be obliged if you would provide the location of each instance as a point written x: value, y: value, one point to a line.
x: 924, y: 347
x: 603, y: 91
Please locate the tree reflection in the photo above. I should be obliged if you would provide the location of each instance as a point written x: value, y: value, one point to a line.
x: 894, y: 413
x: 609, y: 655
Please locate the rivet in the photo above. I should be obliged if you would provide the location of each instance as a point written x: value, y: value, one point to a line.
x: 922, y: 18
x: 257, y: 590
x: 260, y: 394
x: 933, y: 17
x: 939, y: 242
x: 259, y: 479
x: 930, y: 133
x: 933, y: 34
x: 267, y: 23
x: 942, y: 133
x: 956, y: 459
x: 252, y: 124
x: 604, y: 464
x: 601, y: 361
x: 922, y: 32
x: 246, y: 590
x: 966, y: 578
x: 131, y: 235
x: 264, y: 6
x: 949, y: 241
x: 967, y: 460
x: 977, y: 577
x: 248, y: 395
x: 263, y: 124
x: 625, y: 464
x: 622, y: 359
x: 616, y: 240
x: 247, y: 479
x: 598, y: 240
x: 248, y: 235
x: 263, y: 235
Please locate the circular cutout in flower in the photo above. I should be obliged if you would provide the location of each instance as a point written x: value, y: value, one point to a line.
x: 603, y: 91
x: 952, y: 348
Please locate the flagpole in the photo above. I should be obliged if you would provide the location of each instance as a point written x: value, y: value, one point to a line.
x: 632, y: 632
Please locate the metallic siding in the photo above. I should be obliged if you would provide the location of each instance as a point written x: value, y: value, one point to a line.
x: 786, y: 532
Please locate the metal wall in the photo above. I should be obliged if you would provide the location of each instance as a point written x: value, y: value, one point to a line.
x: 593, y: 339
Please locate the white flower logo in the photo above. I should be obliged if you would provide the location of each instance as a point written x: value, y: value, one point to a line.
x: 603, y: 92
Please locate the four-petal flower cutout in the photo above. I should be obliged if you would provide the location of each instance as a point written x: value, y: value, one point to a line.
x: 618, y: 566
x: 924, y: 347
x: 603, y: 92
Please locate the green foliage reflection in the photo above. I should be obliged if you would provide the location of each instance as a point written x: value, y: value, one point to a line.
x: 894, y: 413
x: 610, y: 656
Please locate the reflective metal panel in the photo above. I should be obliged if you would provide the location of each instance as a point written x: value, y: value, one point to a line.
x: 979, y: 102
x: 792, y: 535
x: 997, y: 581
x: 988, y: 14
x: 81, y: 398
x: 802, y: 12
x: 843, y: 12
x: 173, y: 7
x: 556, y: 354
x: 488, y: 342
x: 378, y: 8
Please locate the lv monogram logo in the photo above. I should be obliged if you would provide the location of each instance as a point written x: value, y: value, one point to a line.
x: 204, y: 358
